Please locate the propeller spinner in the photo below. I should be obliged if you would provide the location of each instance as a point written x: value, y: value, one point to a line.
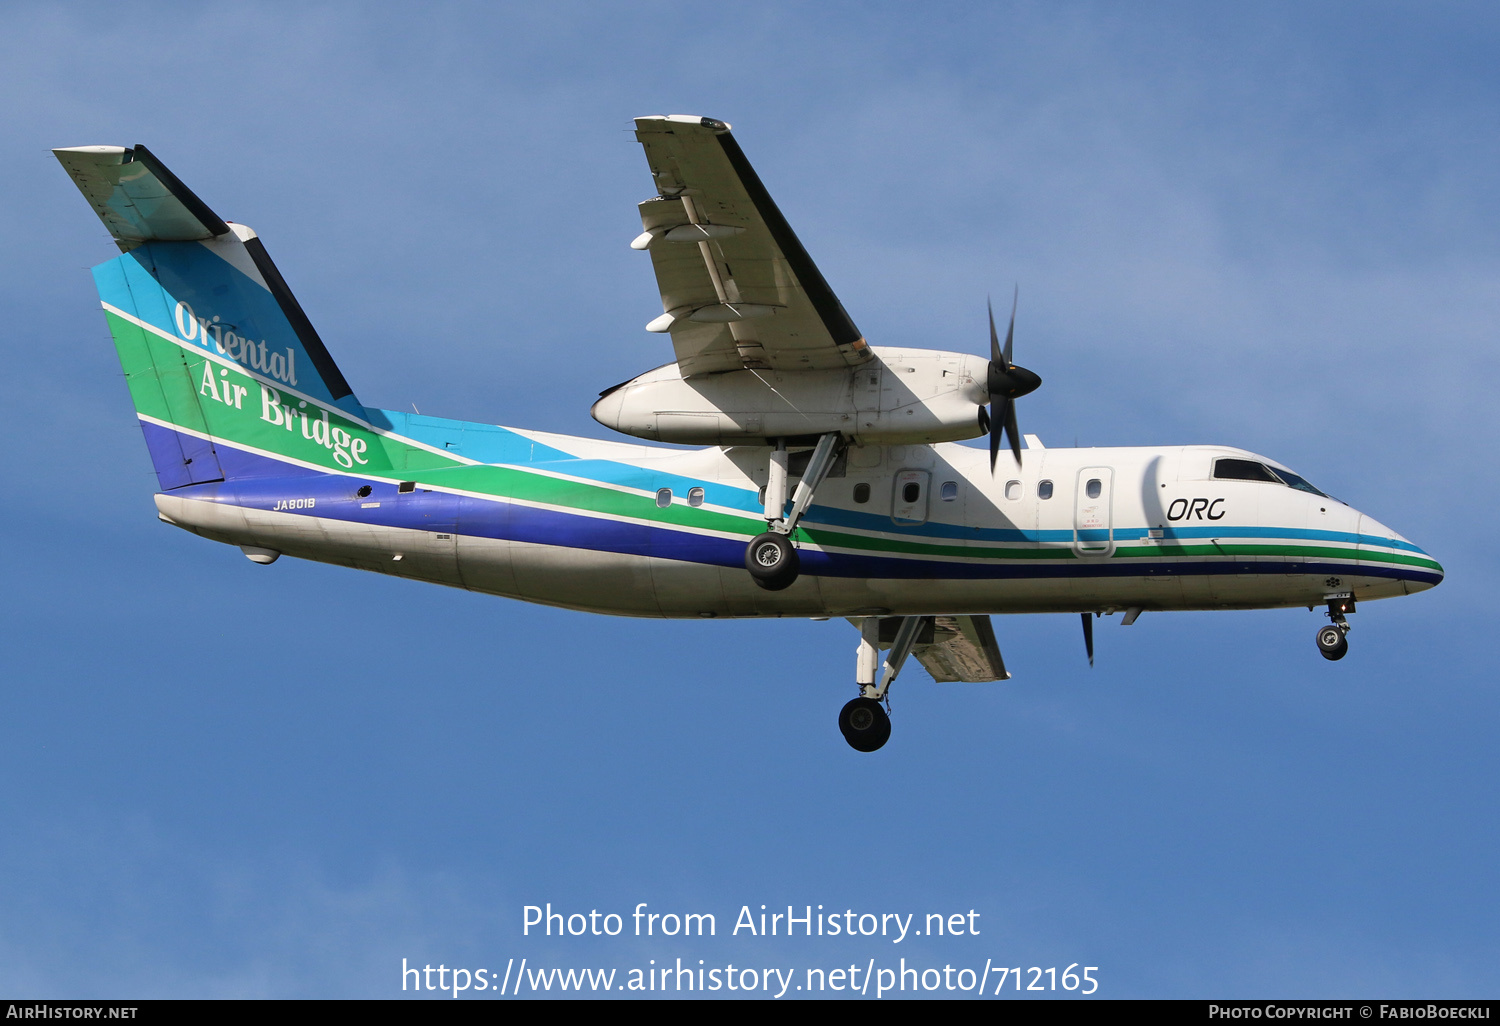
x: 1006, y: 384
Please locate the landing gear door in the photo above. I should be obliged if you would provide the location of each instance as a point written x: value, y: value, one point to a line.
x: 1093, y: 524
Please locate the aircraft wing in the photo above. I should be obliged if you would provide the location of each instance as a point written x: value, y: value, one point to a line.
x: 963, y: 648
x: 737, y: 288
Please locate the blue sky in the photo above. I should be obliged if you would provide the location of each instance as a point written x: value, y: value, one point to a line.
x: 1271, y: 227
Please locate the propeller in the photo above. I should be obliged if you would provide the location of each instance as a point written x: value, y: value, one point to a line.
x: 1088, y: 636
x: 1006, y: 383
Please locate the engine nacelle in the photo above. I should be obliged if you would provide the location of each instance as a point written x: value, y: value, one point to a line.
x: 901, y: 397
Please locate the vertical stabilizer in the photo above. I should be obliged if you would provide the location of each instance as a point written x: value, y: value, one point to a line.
x: 219, y: 355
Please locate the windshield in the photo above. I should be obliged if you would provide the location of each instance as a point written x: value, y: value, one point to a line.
x: 1299, y: 483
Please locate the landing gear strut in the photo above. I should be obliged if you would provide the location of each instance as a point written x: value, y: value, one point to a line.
x: 1333, y: 642
x: 770, y: 557
x: 864, y: 722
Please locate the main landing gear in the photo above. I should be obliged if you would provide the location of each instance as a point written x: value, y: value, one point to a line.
x: 1333, y: 641
x: 770, y: 557
x: 772, y: 561
x: 865, y: 722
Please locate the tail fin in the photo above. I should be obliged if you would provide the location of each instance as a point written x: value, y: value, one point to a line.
x: 221, y: 360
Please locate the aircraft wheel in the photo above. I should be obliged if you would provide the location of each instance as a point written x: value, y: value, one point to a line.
x: 864, y: 724
x: 1332, y: 643
x: 772, y: 561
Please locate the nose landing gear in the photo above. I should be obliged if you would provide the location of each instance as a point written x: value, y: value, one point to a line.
x: 1333, y: 641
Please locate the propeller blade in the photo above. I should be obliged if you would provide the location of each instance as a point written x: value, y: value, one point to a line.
x: 1088, y: 636
x: 1012, y: 430
x: 1002, y: 410
x: 1011, y: 331
x: 995, y: 355
x: 1005, y: 384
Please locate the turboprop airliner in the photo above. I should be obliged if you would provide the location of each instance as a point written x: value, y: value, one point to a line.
x: 825, y: 479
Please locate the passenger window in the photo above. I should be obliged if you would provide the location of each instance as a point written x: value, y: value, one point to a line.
x: 1044, y: 489
x: 1012, y: 490
x: 862, y: 492
x: 950, y: 491
x: 911, y: 492
x: 695, y: 496
x: 1093, y: 488
x: 664, y: 497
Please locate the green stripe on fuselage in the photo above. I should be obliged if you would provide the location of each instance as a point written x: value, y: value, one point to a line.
x: 223, y: 401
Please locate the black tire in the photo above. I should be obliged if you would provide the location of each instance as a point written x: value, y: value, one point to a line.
x: 864, y: 724
x: 772, y: 561
x: 1332, y: 643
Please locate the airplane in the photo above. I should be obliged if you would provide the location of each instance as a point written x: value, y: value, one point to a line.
x: 825, y: 477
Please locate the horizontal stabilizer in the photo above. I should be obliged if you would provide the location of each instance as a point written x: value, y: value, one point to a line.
x: 137, y: 198
x: 963, y: 648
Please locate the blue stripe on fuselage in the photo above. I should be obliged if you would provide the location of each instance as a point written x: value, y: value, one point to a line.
x: 490, y: 443
x: 259, y: 482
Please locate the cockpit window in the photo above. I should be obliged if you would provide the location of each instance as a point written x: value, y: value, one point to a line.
x: 1299, y: 483
x: 1243, y: 470
x: 1228, y: 469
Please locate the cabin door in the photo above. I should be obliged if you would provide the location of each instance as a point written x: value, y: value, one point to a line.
x: 1093, y: 527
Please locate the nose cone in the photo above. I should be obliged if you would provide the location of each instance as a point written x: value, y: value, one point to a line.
x: 1380, y: 545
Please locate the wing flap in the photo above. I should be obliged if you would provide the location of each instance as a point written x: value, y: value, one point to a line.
x: 963, y: 649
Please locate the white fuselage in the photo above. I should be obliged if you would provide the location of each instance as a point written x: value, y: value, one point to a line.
x: 895, y: 530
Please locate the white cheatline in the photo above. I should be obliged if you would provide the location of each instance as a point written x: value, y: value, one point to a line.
x: 449, y: 490
x: 268, y: 454
x: 224, y: 361
x: 600, y: 447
